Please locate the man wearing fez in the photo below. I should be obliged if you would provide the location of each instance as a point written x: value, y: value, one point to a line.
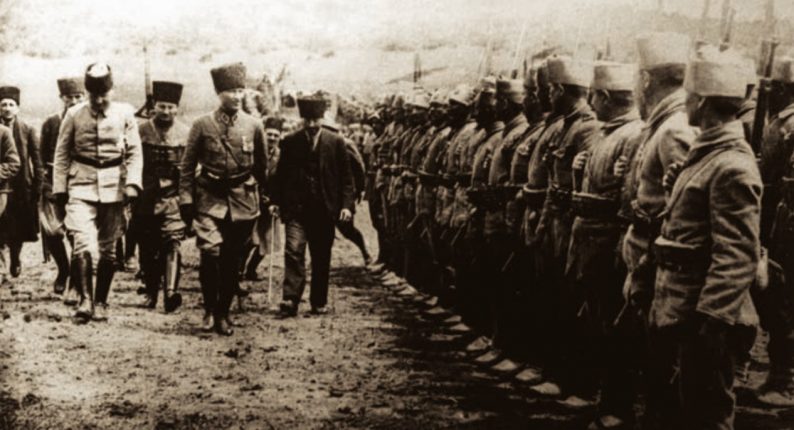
x: 312, y: 190
x: 157, y: 210
x: 51, y: 215
x: 223, y: 200
x: 96, y: 173
x: 20, y: 221
x: 708, y: 248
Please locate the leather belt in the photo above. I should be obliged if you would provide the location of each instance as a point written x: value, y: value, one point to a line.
x: 99, y: 164
x: 682, y: 258
x: 594, y: 206
x: 535, y: 197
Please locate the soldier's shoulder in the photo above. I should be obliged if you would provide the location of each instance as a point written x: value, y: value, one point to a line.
x: 72, y: 111
x: 123, y: 108
x: 677, y: 127
x: 54, y: 118
x: 249, y: 120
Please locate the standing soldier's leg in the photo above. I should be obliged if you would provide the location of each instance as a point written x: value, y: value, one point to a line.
x: 234, y: 234
x: 3, y: 263
x: 150, y: 257
x: 321, y: 239
x: 172, y: 231
x: 208, y: 241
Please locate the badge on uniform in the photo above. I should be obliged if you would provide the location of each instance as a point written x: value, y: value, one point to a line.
x: 248, y: 146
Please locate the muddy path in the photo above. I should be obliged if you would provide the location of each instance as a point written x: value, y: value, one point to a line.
x: 373, y: 363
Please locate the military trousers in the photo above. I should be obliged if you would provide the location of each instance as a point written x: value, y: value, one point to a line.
x: 315, y: 230
x: 95, y: 227
x: 3, y: 258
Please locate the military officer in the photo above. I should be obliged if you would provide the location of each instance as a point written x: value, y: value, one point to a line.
x: 223, y: 200
x: 708, y: 248
x: 593, y: 263
x: 9, y: 167
x: 161, y: 228
x: 51, y: 215
x: 20, y: 220
x: 96, y: 172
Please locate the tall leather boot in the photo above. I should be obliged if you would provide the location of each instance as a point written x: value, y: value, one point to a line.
x: 210, y: 279
x: 58, y: 251
x: 73, y: 290
x: 84, y: 283
x: 152, y: 278
x: 171, y: 297
x: 14, y: 250
x: 253, y: 264
x: 104, y: 278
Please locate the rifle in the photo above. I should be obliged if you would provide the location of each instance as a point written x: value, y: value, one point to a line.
x: 704, y: 17
x: 146, y: 110
x: 727, y: 28
x: 768, y: 47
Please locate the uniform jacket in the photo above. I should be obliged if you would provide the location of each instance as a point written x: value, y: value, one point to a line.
x: 445, y: 197
x: 100, y: 136
x: 242, y: 153
x: 356, y: 166
x: 499, y: 171
x: 9, y: 159
x: 519, y: 166
x: 538, y: 179
x: 29, y: 179
x: 614, y: 136
x: 714, y: 209
x: 162, y: 156
x: 429, y: 165
x: 776, y: 151
x: 49, y: 139
x: 336, y: 179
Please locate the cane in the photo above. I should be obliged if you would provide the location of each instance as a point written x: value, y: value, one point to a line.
x: 270, y: 259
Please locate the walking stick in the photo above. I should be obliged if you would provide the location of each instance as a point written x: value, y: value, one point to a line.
x: 270, y: 259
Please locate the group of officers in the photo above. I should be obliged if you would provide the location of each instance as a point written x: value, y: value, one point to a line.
x: 99, y: 172
x: 598, y: 221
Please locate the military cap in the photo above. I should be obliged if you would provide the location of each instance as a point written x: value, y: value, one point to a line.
x: 487, y: 85
x: 611, y: 76
x: 9, y: 92
x: 419, y: 100
x: 749, y: 70
x: 70, y: 86
x: 98, y: 78
x: 439, y: 98
x: 312, y: 107
x: 463, y: 94
x: 274, y: 123
x: 567, y: 71
x: 228, y: 77
x: 164, y: 91
x: 513, y: 89
x: 662, y: 49
x: 783, y: 70
x: 716, y: 74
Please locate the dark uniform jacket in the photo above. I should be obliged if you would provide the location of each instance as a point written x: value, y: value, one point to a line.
x: 49, y: 138
x: 162, y: 155
x: 336, y: 179
x: 709, y: 247
x: 9, y: 159
x: 22, y: 210
x: 230, y: 154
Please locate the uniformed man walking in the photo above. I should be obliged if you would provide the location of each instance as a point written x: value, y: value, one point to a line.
x: 51, y: 215
x: 97, y: 171
x: 160, y: 225
x: 223, y: 200
x: 9, y: 166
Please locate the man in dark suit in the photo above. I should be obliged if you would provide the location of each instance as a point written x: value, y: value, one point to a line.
x: 311, y: 190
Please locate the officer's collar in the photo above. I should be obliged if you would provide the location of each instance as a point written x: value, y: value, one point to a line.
x: 8, y: 122
x: 224, y: 118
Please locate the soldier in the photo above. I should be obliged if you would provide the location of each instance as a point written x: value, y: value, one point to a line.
x: 160, y: 225
x: 96, y: 173
x: 510, y: 95
x: 20, y: 219
x: 224, y: 199
x: 264, y: 231
x: 665, y: 140
x: 50, y: 215
x: 9, y: 167
x: 593, y: 262
x: 709, y: 245
x: 569, y: 79
x: 775, y: 304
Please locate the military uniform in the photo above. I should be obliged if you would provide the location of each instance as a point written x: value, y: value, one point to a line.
x: 9, y: 167
x: 160, y: 224
x: 229, y: 149
x: 97, y: 157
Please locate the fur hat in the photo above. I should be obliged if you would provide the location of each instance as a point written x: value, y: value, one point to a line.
x: 463, y: 94
x: 70, y: 86
x: 274, y: 123
x: 312, y: 107
x: 662, y: 49
x: 783, y: 70
x: 98, y: 78
x: 164, y: 91
x: 716, y: 74
x: 612, y: 76
x: 228, y: 77
x: 513, y: 89
x: 567, y: 71
x: 9, y: 92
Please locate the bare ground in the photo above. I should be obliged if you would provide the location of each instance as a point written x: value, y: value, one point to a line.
x: 373, y: 363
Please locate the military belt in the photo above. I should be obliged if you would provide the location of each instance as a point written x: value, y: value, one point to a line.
x: 99, y: 164
x: 447, y: 181
x: 429, y: 180
x: 681, y: 258
x: 535, y: 197
x: 223, y: 182
x: 644, y: 225
x: 594, y: 206
x: 559, y: 198
x: 463, y: 179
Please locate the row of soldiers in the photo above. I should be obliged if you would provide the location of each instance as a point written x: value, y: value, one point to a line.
x: 596, y: 221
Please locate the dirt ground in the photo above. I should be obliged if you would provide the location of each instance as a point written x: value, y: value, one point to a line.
x: 373, y: 363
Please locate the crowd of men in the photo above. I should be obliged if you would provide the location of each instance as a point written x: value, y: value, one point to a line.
x: 590, y: 225
x: 598, y: 221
